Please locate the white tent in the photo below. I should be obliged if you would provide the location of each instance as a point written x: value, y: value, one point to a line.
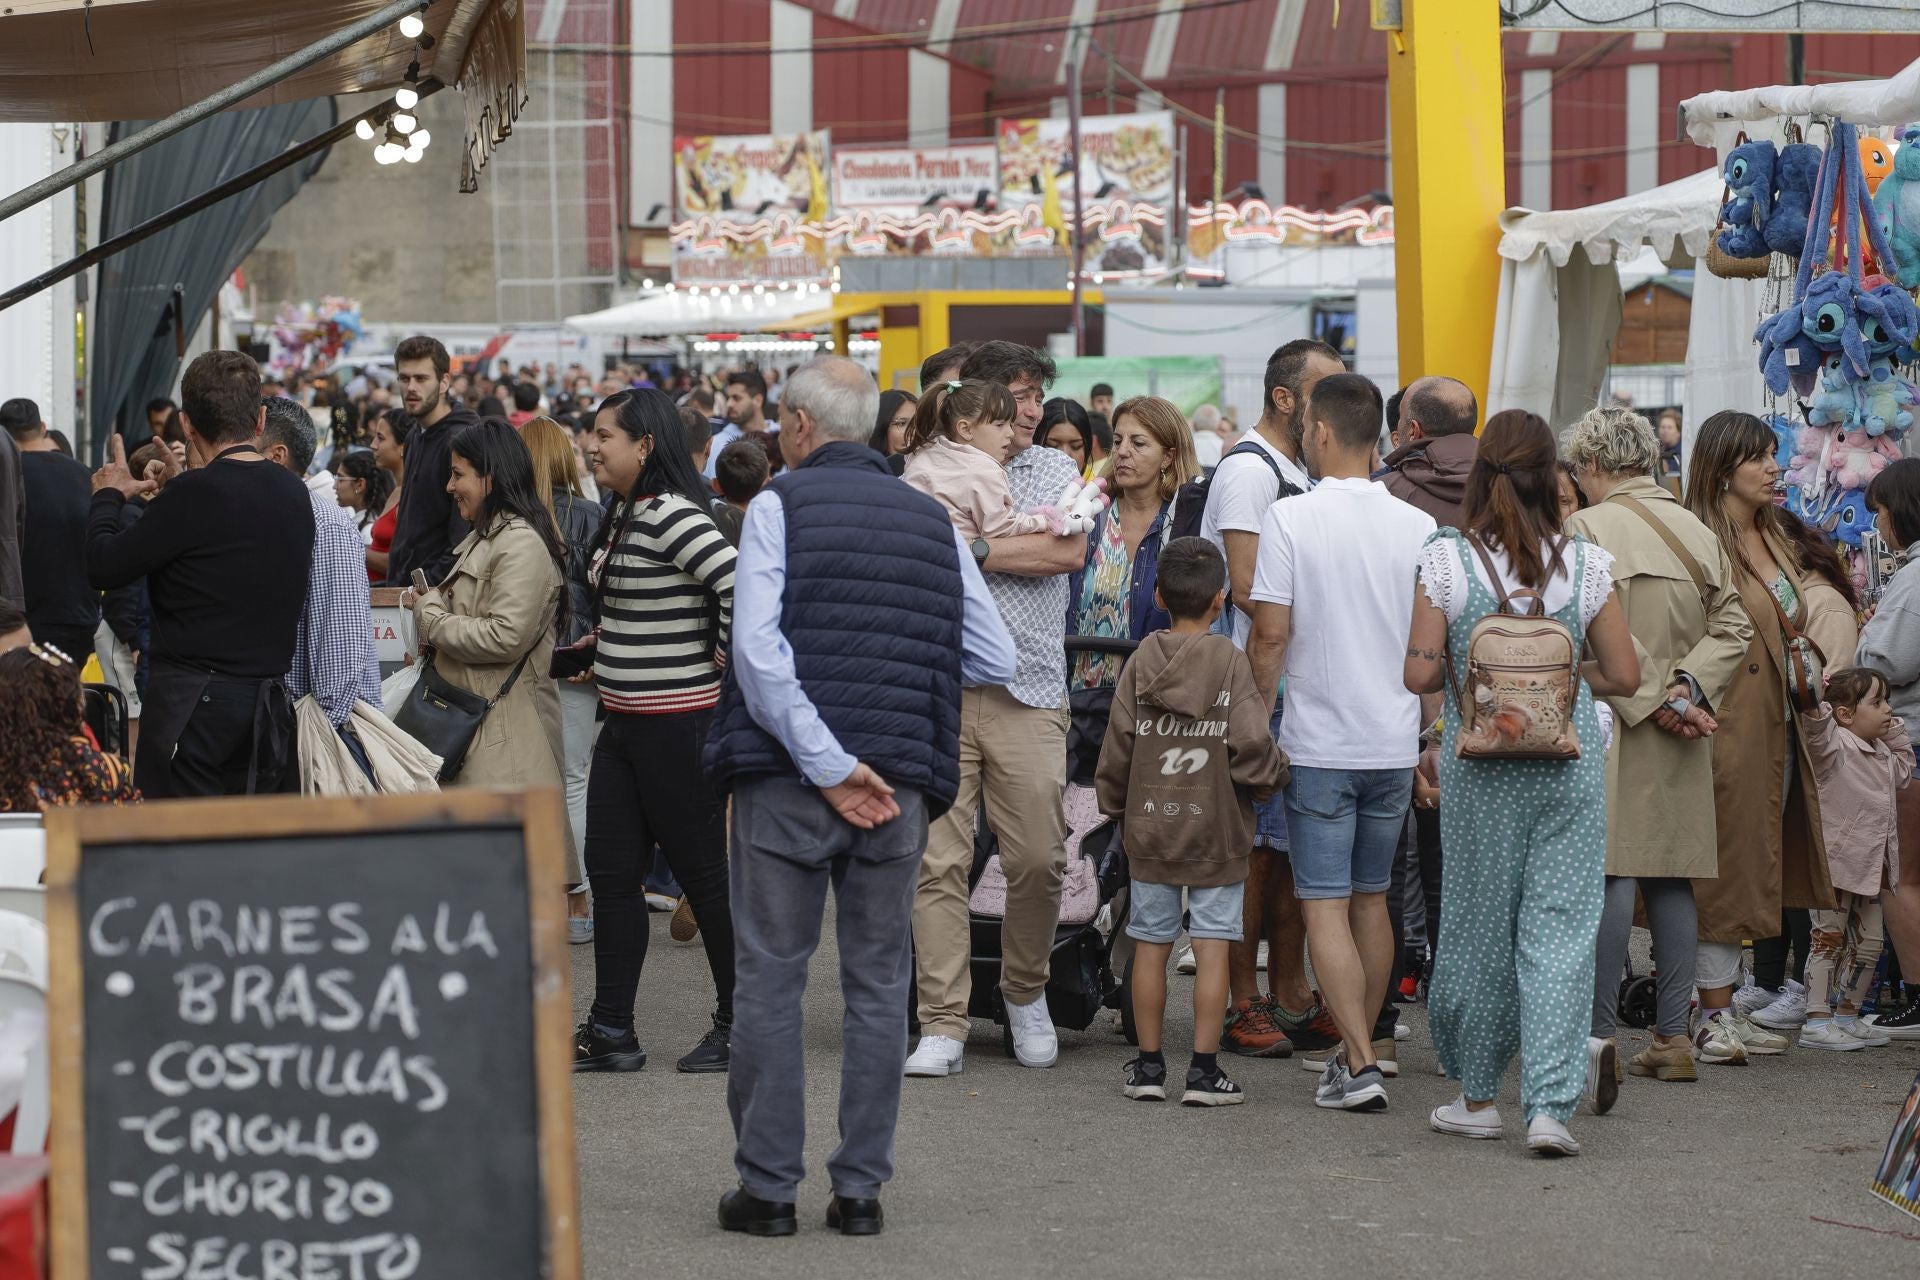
x: 1558, y: 309
x: 1713, y: 119
x: 679, y: 312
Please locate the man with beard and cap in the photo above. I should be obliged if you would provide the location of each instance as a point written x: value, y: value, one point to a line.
x: 1266, y: 465
x: 1434, y: 447
x: 428, y: 526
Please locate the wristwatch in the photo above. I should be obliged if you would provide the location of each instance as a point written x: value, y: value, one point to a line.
x: 980, y: 550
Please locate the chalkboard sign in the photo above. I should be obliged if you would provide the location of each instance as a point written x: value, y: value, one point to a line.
x: 296, y: 1039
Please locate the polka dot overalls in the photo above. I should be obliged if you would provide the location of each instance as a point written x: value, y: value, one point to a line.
x: 1521, y: 892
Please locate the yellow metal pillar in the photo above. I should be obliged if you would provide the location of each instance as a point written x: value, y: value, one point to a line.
x: 842, y: 327
x: 1449, y: 186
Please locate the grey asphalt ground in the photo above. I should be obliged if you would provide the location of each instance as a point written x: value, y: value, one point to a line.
x: 1005, y: 1172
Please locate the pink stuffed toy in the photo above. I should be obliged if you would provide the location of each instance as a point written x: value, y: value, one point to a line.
x: 1858, y: 457
x: 1809, y: 456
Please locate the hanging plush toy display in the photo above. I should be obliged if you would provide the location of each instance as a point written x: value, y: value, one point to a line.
x: 1896, y: 208
x: 1842, y: 341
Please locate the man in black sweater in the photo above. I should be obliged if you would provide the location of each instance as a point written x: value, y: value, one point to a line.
x: 428, y: 526
x: 61, y: 608
x: 226, y: 550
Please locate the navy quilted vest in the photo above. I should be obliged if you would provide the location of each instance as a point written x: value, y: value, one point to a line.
x: 872, y: 609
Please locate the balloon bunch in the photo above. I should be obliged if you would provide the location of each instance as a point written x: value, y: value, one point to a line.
x: 308, y: 335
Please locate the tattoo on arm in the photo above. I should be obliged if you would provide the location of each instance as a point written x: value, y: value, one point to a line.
x: 1431, y: 655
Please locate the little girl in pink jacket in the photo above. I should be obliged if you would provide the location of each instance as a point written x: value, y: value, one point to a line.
x: 958, y: 445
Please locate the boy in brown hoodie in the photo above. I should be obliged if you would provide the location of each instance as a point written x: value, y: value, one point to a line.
x: 1188, y: 751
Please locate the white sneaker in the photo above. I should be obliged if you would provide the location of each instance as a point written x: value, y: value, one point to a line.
x: 661, y: 902
x: 1788, y: 1012
x: 937, y: 1056
x: 1749, y: 999
x: 1548, y: 1137
x: 1034, y: 1042
x: 1718, y: 1044
x: 1759, y: 1041
x: 1186, y: 963
x: 1865, y: 1032
x: 1401, y: 1031
x: 1603, y: 1080
x: 1260, y: 961
x: 1454, y: 1117
x: 1825, y: 1034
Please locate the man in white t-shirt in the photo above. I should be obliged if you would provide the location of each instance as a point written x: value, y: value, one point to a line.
x: 1266, y: 467
x: 1333, y: 598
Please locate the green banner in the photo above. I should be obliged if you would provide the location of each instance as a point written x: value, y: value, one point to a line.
x: 1188, y: 381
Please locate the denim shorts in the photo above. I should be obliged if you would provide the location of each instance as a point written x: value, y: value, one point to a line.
x: 1346, y: 826
x: 1154, y: 912
x: 1270, y: 817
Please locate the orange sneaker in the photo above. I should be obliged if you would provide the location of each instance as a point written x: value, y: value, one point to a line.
x: 1252, y: 1030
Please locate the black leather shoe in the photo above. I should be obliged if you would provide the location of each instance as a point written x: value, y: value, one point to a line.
x: 742, y: 1211
x: 714, y: 1052
x: 854, y: 1217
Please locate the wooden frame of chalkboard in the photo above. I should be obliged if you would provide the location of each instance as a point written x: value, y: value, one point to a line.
x: 538, y: 815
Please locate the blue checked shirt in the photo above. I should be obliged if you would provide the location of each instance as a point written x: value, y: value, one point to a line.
x: 333, y: 657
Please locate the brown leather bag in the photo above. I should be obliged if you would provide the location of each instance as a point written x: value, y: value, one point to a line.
x: 1522, y: 681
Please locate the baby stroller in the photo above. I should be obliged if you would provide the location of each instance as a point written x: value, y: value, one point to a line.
x: 1082, y: 980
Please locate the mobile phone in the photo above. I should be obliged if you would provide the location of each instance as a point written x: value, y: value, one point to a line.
x: 420, y: 586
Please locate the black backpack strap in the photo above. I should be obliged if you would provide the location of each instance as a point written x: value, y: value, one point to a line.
x: 1252, y: 448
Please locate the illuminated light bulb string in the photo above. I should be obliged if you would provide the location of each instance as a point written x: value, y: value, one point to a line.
x: 402, y: 138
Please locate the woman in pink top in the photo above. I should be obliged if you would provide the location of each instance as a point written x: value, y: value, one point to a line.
x: 1860, y: 755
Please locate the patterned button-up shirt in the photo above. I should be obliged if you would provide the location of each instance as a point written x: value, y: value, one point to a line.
x: 333, y: 657
x: 1035, y: 609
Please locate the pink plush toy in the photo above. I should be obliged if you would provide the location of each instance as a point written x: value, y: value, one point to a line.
x: 1809, y: 456
x: 1858, y: 457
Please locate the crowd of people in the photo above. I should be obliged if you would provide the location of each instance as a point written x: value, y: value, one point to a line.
x: 774, y: 636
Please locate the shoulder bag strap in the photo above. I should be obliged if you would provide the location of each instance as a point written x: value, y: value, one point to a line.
x: 1692, y: 565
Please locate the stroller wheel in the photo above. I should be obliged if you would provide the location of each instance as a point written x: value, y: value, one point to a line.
x: 1127, y: 1025
x: 1639, y: 1004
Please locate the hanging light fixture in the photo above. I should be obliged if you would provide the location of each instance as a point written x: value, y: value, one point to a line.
x: 405, y: 123
x: 420, y: 139
x: 411, y: 26
x: 408, y: 97
x: 364, y: 130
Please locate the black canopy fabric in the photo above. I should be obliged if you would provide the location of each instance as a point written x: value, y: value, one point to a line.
x: 135, y: 357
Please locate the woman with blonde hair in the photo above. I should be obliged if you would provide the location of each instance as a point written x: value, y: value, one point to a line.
x: 1112, y: 595
x: 578, y: 521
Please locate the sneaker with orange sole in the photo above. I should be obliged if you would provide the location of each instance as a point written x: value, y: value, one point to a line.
x: 1253, y: 1031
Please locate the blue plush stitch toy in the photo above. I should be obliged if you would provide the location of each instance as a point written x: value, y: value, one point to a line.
x: 1749, y: 176
x: 1796, y: 172
x: 1851, y: 517
x: 1897, y: 208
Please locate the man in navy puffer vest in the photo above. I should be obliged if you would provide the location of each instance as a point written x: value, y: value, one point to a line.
x: 858, y: 616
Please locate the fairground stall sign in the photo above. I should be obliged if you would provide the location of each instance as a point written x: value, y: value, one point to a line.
x: 750, y: 208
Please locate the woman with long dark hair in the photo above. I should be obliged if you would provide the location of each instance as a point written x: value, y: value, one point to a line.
x: 360, y: 486
x: 491, y: 626
x: 1064, y: 425
x: 890, y: 427
x: 663, y: 580
x: 387, y: 435
x: 1766, y: 810
x: 1526, y: 839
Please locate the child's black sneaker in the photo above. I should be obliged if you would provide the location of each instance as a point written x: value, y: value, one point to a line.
x: 1146, y: 1081
x: 1211, y: 1089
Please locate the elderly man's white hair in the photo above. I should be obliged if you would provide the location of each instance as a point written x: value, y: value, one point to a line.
x: 840, y: 397
x: 1613, y: 440
x: 1206, y: 418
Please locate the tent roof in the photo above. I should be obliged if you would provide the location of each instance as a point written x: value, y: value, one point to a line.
x: 679, y: 312
x: 1679, y: 214
x: 1713, y: 118
x: 144, y: 59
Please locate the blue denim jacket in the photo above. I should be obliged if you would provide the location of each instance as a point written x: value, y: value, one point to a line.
x: 1144, y: 614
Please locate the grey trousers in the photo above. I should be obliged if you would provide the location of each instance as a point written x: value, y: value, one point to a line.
x: 788, y: 846
x: 1672, y: 920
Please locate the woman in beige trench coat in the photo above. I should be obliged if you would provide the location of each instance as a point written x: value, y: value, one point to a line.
x: 499, y: 605
x: 1691, y: 634
x: 1766, y: 808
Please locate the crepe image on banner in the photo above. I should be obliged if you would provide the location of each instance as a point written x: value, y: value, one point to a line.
x: 1898, y: 1179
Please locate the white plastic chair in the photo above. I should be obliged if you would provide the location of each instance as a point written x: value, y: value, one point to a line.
x: 29, y: 900
x: 23, y: 1062
x: 23, y: 848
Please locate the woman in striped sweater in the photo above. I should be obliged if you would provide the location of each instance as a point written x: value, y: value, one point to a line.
x: 664, y: 576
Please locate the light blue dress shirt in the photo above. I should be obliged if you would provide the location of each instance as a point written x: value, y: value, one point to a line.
x: 763, y: 660
x: 721, y: 439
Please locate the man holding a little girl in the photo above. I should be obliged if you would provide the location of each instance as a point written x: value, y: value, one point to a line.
x: 1012, y: 751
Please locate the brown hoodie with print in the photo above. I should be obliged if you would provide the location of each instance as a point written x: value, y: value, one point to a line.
x: 1188, y: 750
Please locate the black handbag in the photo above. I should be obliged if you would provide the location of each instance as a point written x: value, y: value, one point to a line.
x: 445, y: 720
